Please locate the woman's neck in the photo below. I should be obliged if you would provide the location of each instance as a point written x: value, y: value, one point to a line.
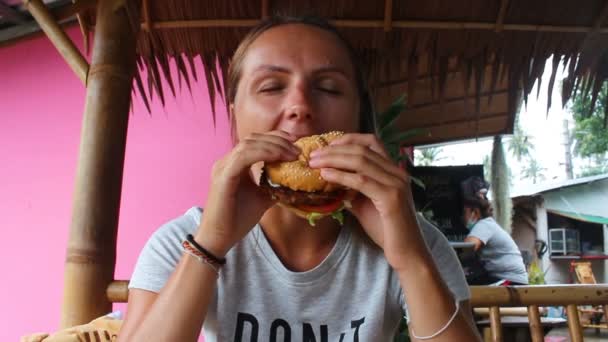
x: 299, y: 246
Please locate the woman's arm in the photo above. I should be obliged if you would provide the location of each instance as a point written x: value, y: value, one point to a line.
x: 430, y: 304
x: 478, y: 243
x: 179, y: 308
x: 178, y: 312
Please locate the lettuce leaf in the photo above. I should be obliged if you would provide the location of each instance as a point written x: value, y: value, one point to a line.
x: 312, y: 217
x: 337, y: 215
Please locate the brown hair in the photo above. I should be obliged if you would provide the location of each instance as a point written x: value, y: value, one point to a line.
x: 366, y: 116
x: 483, y: 204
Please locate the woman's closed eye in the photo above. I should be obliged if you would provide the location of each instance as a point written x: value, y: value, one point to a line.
x: 329, y: 86
x: 270, y: 87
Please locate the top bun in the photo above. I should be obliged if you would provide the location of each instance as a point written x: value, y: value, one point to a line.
x: 297, y: 175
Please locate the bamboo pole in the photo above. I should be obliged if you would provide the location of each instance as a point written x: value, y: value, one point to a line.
x: 67, y: 11
x: 495, y: 324
x: 59, y: 38
x: 574, y: 324
x: 91, y: 250
x: 264, y: 9
x: 536, y: 331
x: 146, y: 14
x: 500, y: 19
x: 118, y: 291
x: 406, y: 24
x: 388, y: 15
x: 553, y: 295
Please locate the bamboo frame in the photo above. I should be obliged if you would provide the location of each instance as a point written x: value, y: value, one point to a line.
x: 574, y: 324
x: 91, y: 250
x: 601, y: 17
x: 500, y: 19
x: 388, y: 15
x: 71, y: 10
x: 264, y: 9
x: 145, y: 8
x: 536, y: 331
x: 406, y: 24
x: 481, y: 296
x: 59, y: 38
x: 554, y: 295
x: 9, y: 14
x: 495, y: 325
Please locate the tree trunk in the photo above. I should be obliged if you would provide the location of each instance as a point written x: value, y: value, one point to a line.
x: 500, y: 185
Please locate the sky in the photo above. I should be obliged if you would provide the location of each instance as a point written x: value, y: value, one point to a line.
x: 547, y: 137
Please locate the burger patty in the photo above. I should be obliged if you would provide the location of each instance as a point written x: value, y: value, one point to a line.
x: 296, y: 197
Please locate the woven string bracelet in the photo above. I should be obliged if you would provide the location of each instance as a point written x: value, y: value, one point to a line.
x: 192, y: 251
x: 438, y: 332
x: 215, y: 259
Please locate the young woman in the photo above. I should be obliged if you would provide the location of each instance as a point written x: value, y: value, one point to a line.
x: 497, y: 251
x: 283, y: 280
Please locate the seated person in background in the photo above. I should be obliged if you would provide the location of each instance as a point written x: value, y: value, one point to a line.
x: 497, y: 251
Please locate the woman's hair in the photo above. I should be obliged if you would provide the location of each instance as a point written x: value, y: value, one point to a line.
x: 366, y: 116
x: 483, y: 204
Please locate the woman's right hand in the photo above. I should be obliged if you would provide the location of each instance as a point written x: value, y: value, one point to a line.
x: 235, y: 203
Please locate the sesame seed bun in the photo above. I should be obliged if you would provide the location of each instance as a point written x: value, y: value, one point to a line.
x: 297, y: 175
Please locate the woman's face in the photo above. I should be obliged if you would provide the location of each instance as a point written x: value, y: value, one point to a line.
x: 299, y: 79
x: 470, y: 214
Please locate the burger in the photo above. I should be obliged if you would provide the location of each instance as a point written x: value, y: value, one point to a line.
x: 301, y: 189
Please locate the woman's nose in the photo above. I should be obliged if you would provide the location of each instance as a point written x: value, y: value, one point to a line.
x: 299, y: 104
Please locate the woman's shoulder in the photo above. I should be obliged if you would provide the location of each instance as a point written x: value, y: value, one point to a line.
x: 177, y: 228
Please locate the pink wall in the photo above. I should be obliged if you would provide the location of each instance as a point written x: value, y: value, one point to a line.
x: 168, y: 159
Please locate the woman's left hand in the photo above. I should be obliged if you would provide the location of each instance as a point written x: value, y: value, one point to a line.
x: 360, y: 162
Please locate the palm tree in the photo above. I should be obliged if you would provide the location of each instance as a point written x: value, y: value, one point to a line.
x: 520, y: 144
x: 428, y: 156
x: 487, y: 167
x: 533, y: 171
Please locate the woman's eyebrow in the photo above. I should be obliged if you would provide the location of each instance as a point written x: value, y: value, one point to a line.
x: 271, y: 68
x: 332, y: 69
x: 321, y: 70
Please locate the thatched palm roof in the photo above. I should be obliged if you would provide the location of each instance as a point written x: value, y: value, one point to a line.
x: 463, y: 64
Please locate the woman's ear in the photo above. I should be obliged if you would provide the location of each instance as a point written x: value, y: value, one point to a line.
x: 477, y: 213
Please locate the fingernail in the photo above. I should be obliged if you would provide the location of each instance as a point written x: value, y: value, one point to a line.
x: 314, y: 153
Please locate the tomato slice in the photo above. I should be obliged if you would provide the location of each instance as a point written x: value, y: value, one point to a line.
x: 323, y: 209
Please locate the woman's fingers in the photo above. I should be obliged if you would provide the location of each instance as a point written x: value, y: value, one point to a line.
x: 257, y: 148
x: 356, y: 158
x: 368, y: 140
x: 366, y: 185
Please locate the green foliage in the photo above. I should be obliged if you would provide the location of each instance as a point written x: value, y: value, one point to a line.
x: 487, y: 167
x: 520, y: 144
x: 533, y: 170
x: 429, y: 156
x: 590, y: 133
x: 404, y: 334
x: 536, y: 276
x: 599, y: 167
x: 389, y: 133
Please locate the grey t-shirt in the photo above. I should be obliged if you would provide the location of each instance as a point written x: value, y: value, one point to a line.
x: 353, y: 295
x: 501, y: 257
